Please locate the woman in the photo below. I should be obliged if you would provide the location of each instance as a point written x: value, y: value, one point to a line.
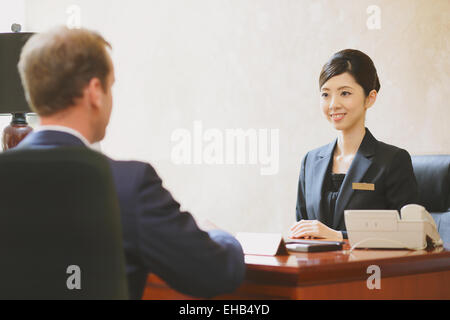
x: 356, y: 171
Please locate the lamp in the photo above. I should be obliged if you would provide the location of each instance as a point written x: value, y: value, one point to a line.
x: 12, y: 95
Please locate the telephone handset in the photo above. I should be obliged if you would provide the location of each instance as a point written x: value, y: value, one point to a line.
x: 415, y: 229
x: 414, y: 212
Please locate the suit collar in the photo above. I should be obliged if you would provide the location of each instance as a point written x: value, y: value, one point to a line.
x: 356, y: 172
x: 327, y: 151
x: 366, y: 148
x: 358, y: 168
x: 319, y: 174
x: 49, y: 138
x: 368, y: 145
x: 64, y: 129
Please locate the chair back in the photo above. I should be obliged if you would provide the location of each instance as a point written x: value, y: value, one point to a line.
x: 433, y: 179
x: 60, y: 228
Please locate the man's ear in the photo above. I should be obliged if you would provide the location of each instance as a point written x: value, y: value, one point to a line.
x: 371, y: 98
x: 95, y: 90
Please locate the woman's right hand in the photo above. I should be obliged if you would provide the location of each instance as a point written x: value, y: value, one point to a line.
x: 314, y: 229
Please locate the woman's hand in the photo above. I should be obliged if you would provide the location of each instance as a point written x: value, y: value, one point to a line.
x: 314, y: 228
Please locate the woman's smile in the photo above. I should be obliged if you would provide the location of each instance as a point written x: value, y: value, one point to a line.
x: 337, y: 116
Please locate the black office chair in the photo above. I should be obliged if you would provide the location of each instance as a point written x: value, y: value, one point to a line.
x: 433, y: 178
x: 60, y: 229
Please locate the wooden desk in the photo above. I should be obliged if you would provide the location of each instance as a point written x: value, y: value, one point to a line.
x: 336, y: 275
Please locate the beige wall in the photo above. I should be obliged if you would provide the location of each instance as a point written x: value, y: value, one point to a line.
x: 14, y: 13
x: 255, y: 64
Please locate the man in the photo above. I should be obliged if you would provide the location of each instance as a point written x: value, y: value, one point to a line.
x: 67, y: 76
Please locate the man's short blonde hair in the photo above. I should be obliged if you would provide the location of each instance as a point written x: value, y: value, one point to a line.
x: 57, y: 65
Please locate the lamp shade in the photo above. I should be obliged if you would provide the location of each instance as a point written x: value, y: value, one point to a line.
x: 12, y: 96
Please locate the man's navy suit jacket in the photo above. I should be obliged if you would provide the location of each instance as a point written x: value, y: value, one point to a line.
x: 157, y: 237
x: 385, y: 166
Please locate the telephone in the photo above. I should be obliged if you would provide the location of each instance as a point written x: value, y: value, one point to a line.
x: 384, y: 229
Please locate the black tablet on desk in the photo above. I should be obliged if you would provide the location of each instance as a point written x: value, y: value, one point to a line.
x: 313, y: 245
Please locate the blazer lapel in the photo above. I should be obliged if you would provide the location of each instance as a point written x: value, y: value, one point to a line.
x: 318, y: 179
x: 356, y: 172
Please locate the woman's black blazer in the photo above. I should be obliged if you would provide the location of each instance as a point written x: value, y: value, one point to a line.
x: 385, y: 166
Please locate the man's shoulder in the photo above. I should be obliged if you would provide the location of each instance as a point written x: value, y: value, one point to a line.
x: 130, y: 165
x: 131, y: 171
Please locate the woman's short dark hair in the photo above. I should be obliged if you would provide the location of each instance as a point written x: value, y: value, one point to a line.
x: 356, y: 63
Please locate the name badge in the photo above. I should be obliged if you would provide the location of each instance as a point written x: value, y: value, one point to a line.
x: 363, y: 186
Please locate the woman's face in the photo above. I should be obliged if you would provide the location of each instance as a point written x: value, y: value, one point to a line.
x: 344, y: 103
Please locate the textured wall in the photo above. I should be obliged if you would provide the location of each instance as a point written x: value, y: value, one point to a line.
x: 254, y: 65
